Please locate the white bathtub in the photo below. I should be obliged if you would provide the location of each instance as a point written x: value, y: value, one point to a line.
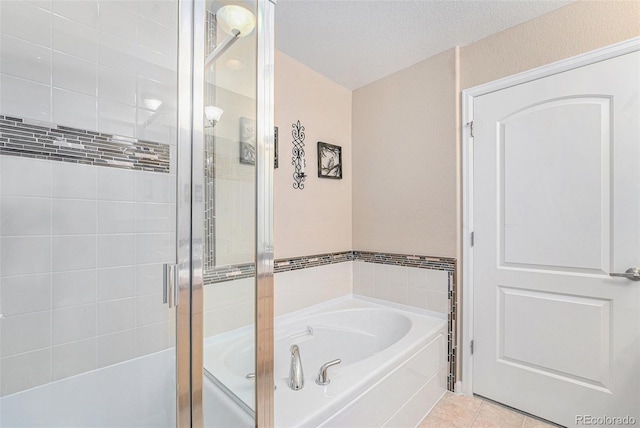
x: 392, y: 371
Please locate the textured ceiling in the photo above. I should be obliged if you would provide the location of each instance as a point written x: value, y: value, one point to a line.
x: 355, y: 42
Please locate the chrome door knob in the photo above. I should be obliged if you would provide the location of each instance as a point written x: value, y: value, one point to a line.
x: 632, y: 273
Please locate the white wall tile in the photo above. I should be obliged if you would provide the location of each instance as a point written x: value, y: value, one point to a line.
x: 75, y: 38
x: 152, y: 217
x: 437, y: 280
x: 26, y: 60
x: 149, y: 279
x: 116, y: 283
x: 117, y: 20
x: 25, y: 371
x: 72, y: 324
x: 117, y: 347
x: 74, y: 252
x: 42, y: 4
x: 24, y: 333
x: 72, y: 181
x: 119, y: 53
x: 74, y: 288
x: 152, y: 338
x: 392, y: 292
x: 163, y: 12
x: 398, y: 275
x: 116, y: 118
x: 417, y: 297
x: 82, y: 11
x: 74, y: 109
x: 116, y: 315
x: 116, y: 184
x: 73, y: 358
x: 35, y: 177
x: 155, y: 187
x: 418, y: 278
x: 25, y: 21
x: 437, y: 301
x: 25, y: 216
x: 116, y: 250
x: 25, y: 98
x: 150, y: 309
x: 116, y: 217
x: 155, y: 248
x: 74, y: 217
x: 116, y: 85
x: 25, y: 293
x: 74, y: 74
x: 156, y: 37
x: 25, y: 255
x: 155, y: 126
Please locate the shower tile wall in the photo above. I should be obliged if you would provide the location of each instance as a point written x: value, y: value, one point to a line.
x: 82, y: 246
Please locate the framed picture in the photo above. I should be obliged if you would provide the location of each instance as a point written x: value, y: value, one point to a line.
x: 275, y: 147
x: 329, y: 161
x: 247, y: 141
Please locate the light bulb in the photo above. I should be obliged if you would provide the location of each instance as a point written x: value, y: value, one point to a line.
x: 213, y: 113
x: 232, y: 17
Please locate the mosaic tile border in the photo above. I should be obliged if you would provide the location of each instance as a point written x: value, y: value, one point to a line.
x: 232, y: 272
x: 39, y: 140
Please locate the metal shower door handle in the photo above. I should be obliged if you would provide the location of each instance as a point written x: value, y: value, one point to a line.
x: 632, y: 273
x: 170, y: 284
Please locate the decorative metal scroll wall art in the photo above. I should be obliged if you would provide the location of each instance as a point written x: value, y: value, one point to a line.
x: 298, y: 160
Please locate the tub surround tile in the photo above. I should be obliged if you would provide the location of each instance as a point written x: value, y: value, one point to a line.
x: 437, y: 280
x: 437, y: 301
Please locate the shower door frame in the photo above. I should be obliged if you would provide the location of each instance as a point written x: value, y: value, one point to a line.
x: 191, y: 208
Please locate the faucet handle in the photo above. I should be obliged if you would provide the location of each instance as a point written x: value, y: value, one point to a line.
x: 322, y: 378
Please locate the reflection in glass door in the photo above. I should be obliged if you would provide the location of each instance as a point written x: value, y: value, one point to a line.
x: 88, y: 173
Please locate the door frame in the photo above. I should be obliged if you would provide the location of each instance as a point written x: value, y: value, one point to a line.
x: 465, y: 385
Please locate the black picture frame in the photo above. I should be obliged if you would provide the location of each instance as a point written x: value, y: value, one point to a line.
x: 247, y: 141
x: 329, y: 161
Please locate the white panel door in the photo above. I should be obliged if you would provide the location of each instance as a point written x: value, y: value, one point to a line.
x: 556, y: 210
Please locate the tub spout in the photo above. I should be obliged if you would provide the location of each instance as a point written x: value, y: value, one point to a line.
x: 296, y: 376
x: 323, y: 378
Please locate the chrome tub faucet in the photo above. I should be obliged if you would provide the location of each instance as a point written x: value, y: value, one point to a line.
x: 296, y: 376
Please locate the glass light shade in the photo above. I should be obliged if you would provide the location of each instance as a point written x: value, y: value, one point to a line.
x: 233, y: 17
x: 213, y: 113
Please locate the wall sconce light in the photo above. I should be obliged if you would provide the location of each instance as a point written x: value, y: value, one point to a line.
x: 237, y: 22
x: 213, y: 114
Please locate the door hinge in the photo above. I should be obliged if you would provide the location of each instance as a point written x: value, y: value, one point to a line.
x: 472, y: 347
x: 471, y: 128
x: 473, y: 238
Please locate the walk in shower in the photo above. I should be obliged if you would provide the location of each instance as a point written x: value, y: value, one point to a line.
x: 135, y: 182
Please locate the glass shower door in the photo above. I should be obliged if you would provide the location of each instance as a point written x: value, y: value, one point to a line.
x: 88, y: 201
x: 232, y: 91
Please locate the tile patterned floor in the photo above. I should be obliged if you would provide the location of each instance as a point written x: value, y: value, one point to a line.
x: 458, y: 411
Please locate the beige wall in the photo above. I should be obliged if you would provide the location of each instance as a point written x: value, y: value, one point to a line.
x: 404, y: 161
x: 574, y: 29
x: 406, y: 132
x: 318, y: 218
